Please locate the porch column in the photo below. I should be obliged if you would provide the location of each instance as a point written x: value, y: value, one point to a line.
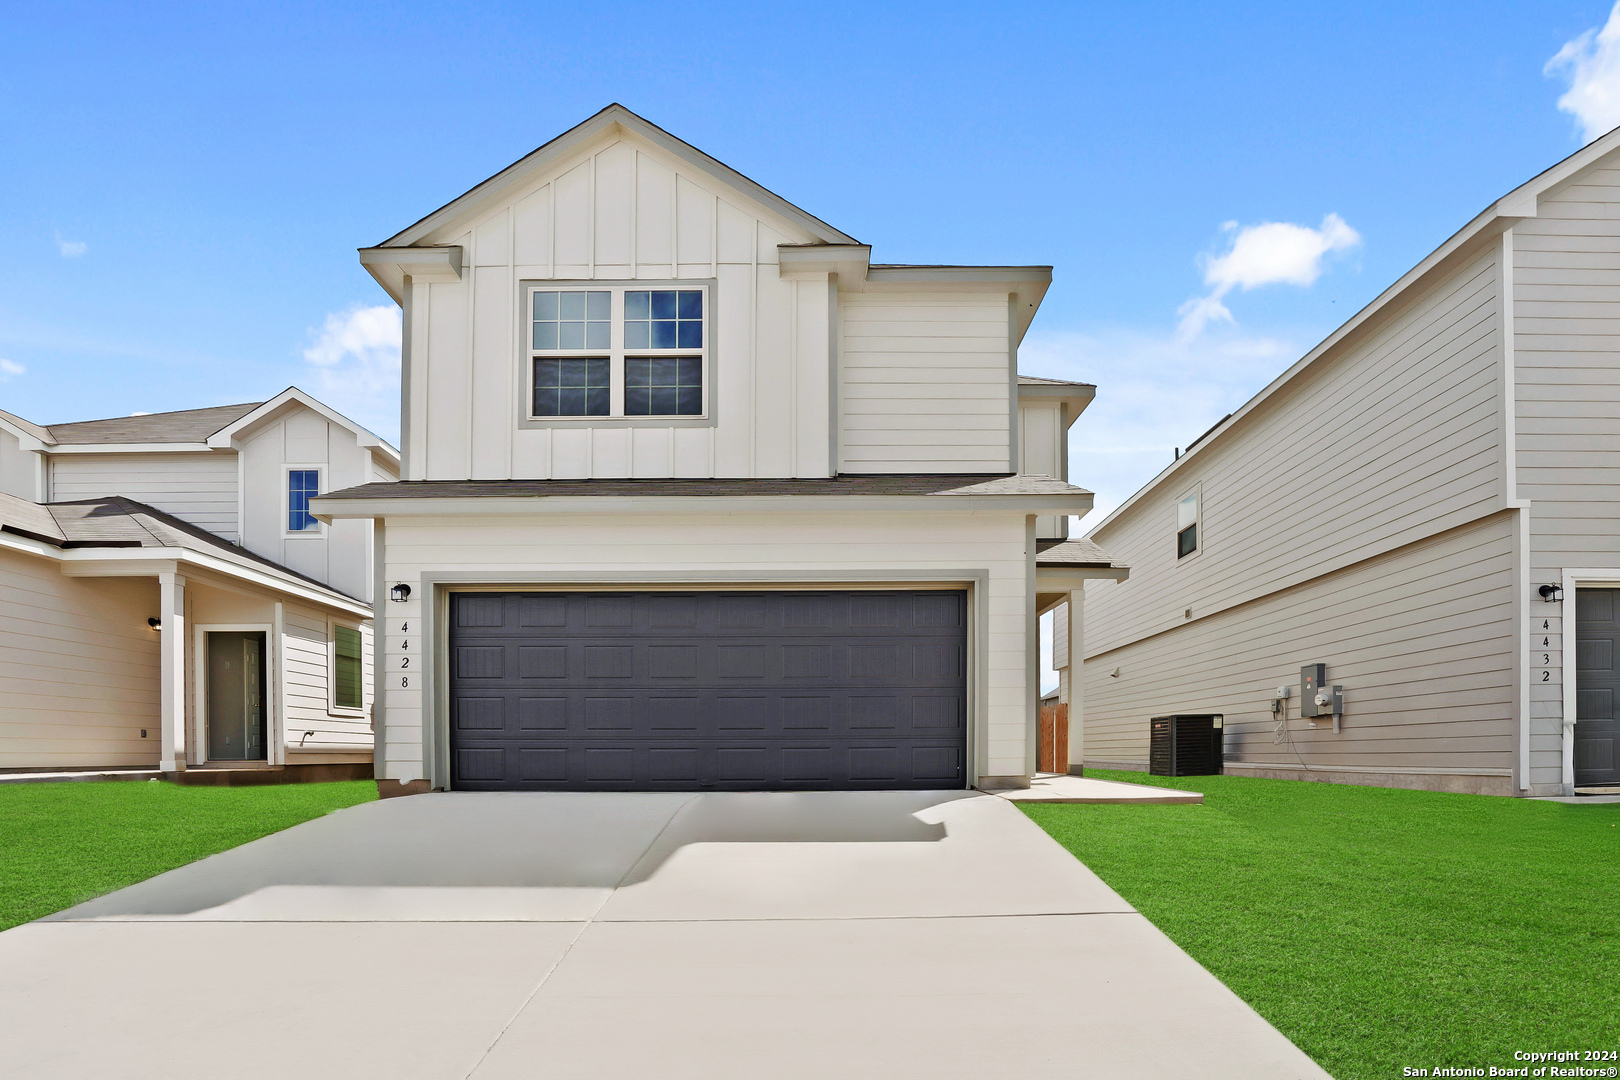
x: 1077, y: 682
x: 172, y: 667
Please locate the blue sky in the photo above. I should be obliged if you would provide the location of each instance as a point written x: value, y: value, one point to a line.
x: 182, y: 188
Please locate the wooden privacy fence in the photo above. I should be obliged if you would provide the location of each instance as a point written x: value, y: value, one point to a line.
x: 1052, y: 741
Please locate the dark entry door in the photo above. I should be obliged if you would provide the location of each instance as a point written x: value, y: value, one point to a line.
x: 1597, y: 686
x: 236, y: 715
x: 725, y: 691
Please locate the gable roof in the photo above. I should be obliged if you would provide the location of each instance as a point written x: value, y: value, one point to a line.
x: 180, y: 426
x: 117, y: 522
x: 215, y: 426
x: 1501, y: 215
x: 615, y: 113
x: 18, y: 426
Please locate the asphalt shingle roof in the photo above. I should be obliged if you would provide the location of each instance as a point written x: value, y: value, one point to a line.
x: 184, y: 426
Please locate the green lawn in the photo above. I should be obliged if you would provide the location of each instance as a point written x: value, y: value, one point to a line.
x: 1379, y: 928
x: 61, y: 844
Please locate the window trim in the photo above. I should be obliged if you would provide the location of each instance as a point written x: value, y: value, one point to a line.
x: 1197, y: 492
x: 523, y: 380
x: 332, y: 707
x: 287, y: 469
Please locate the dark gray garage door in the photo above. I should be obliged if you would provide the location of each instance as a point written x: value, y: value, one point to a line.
x: 730, y: 691
x: 1597, y: 686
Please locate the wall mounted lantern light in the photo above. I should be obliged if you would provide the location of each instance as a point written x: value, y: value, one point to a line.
x: 154, y: 623
x: 400, y: 593
x: 1552, y: 593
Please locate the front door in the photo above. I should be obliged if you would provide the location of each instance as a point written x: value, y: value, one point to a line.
x: 236, y: 719
x: 1597, y: 686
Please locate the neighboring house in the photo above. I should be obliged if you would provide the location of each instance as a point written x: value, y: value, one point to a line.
x: 697, y: 497
x: 167, y: 602
x: 1428, y: 503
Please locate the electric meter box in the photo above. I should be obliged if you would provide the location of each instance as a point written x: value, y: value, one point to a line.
x: 1312, y: 677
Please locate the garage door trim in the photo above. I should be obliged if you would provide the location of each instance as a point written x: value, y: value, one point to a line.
x: 435, y: 590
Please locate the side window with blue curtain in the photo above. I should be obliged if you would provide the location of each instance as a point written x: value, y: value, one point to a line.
x: 302, y: 486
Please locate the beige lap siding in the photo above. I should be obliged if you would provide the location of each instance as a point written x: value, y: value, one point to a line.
x: 1421, y: 640
x: 78, y: 668
x: 1566, y: 303
x: 782, y: 547
x: 1397, y: 439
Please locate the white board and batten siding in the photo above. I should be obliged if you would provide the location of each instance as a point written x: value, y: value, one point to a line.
x: 620, y: 210
x: 1310, y: 513
x: 779, y: 549
x: 924, y: 384
x: 338, y: 554
x: 1566, y: 318
x: 78, y: 668
x: 198, y: 487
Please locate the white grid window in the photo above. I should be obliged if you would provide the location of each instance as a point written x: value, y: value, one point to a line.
x: 629, y: 351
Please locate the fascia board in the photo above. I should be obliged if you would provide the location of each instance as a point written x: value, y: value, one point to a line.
x: 1072, y: 579
x: 570, y: 140
x: 848, y: 261
x: 28, y: 434
x: 283, y: 403
x: 140, y: 562
x: 495, y: 506
x: 1516, y: 205
x: 392, y: 266
x: 130, y: 448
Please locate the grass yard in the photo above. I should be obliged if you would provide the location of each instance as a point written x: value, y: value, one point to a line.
x: 61, y: 844
x: 1379, y: 928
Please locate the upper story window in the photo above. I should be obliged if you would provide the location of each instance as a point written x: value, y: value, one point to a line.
x: 1187, y: 526
x: 302, y: 486
x: 622, y: 351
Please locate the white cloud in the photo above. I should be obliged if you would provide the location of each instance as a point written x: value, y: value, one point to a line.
x: 8, y: 368
x: 1271, y: 253
x: 356, y: 360
x: 71, y: 249
x: 1590, y: 64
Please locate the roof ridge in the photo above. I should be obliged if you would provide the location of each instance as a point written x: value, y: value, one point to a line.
x: 166, y: 412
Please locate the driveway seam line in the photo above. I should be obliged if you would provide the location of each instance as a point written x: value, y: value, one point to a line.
x: 584, y: 926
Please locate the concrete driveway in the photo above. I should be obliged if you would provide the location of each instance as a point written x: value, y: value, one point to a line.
x: 892, y: 934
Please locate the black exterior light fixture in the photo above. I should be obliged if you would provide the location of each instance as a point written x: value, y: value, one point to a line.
x: 155, y: 623
x: 400, y: 593
x: 1552, y: 593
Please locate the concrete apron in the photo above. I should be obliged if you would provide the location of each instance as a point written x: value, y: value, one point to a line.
x: 898, y: 934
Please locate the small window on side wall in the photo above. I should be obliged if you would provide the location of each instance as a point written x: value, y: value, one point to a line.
x: 302, y: 486
x: 347, y: 692
x: 1187, y: 526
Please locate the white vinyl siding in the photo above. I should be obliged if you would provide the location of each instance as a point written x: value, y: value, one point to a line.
x: 198, y: 487
x: 1040, y: 453
x: 78, y: 668
x: 925, y: 384
x: 1422, y: 640
x: 1567, y: 341
x: 308, y: 693
x: 797, y: 545
x: 1397, y: 439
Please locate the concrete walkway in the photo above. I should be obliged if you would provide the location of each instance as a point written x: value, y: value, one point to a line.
x: 1059, y: 788
x: 892, y: 934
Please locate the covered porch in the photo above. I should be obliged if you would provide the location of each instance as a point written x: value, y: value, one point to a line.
x: 1062, y: 568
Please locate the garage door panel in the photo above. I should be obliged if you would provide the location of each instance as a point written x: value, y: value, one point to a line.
x: 708, y: 691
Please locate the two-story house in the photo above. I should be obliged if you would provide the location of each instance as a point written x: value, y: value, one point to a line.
x: 696, y: 496
x: 1427, y: 504
x: 170, y: 604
